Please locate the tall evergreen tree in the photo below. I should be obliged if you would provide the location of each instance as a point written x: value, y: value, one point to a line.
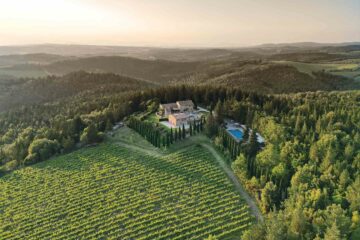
x: 171, y: 136
x: 183, y: 132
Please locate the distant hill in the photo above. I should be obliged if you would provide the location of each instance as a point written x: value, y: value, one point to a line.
x: 35, y: 58
x: 174, y: 54
x: 70, y: 49
x: 159, y: 71
x: 345, y: 49
x: 308, y: 57
x: 32, y: 91
x: 254, y: 75
x: 156, y: 70
x: 306, y: 44
x: 150, y: 53
x: 271, y: 68
x: 267, y: 77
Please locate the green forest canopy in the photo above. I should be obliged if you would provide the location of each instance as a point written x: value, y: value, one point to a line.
x: 306, y: 179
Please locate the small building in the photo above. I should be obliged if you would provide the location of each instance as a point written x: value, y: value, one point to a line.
x: 185, y: 106
x: 178, y: 119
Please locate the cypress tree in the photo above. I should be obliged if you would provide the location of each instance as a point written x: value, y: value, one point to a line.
x: 167, y: 140
x: 253, y: 144
x: 246, y: 135
x: 176, y: 134
x: 171, y: 136
x: 201, y: 124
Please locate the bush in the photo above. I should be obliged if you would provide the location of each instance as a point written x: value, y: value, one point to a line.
x: 41, y: 149
x: 91, y: 135
x: 68, y: 144
x: 11, y: 165
x: 31, y: 159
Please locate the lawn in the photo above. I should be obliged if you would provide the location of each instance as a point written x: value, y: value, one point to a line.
x: 128, y: 136
x: 152, y: 118
x: 115, y: 192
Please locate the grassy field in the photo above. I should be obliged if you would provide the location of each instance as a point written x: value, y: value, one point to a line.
x: 343, y: 68
x: 115, y: 192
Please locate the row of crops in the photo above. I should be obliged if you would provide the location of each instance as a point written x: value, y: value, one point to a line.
x: 109, y: 192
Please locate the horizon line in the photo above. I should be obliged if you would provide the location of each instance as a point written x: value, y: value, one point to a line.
x: 196, y: 46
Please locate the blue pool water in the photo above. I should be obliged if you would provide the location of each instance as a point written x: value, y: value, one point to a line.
x: 236, y: 133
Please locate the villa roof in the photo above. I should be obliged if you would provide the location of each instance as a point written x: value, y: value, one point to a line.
x: 169, y: 105
x: 185, y: 103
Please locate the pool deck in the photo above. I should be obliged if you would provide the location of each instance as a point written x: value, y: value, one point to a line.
x: 234, y: 135
x: 232, y: 125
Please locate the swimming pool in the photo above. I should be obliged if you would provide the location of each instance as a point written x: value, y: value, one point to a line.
x: 236, y: 133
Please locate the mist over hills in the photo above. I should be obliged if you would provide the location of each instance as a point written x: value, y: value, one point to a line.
x: 154, y: 52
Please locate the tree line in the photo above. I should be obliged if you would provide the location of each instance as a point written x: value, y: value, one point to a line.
x: 161, y: 137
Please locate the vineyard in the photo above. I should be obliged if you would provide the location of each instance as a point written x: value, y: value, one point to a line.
x: 110, y: 192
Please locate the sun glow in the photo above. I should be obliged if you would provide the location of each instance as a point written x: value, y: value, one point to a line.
x: 177, y: 22
x: 60, y: 19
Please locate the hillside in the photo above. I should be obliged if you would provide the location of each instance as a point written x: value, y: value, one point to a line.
x: 308, y: 170
x: 159, y: 71
x: 156, y: 71
x: 115, y: 192
x: 149, y: 53
x: 267, y: 77
x: 249, y: 69
x: 35, y: 58
x: 32, y: 91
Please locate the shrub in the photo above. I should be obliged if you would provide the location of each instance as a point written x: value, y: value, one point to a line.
x: 11, y: 165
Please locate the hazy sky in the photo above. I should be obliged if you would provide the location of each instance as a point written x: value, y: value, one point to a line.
x: 178, y: 22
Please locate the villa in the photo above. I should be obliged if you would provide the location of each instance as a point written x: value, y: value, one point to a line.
x: 168, y: 109
x: 177, y: 107
x: 179, y: 113
x: 185, y: 106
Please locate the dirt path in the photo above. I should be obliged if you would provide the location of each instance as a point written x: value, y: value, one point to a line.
x: 254, y: 209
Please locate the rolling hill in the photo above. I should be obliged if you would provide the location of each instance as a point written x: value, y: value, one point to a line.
x: 35, y: 58
x: 268, y: 77
x: 159, y: 71
x: 32, y: 91
x: 261, y: 69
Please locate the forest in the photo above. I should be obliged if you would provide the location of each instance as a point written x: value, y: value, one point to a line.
x: 305, y: 179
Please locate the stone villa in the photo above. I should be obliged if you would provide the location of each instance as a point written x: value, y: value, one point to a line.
x: 179, y: 113
x: 178, y: 107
